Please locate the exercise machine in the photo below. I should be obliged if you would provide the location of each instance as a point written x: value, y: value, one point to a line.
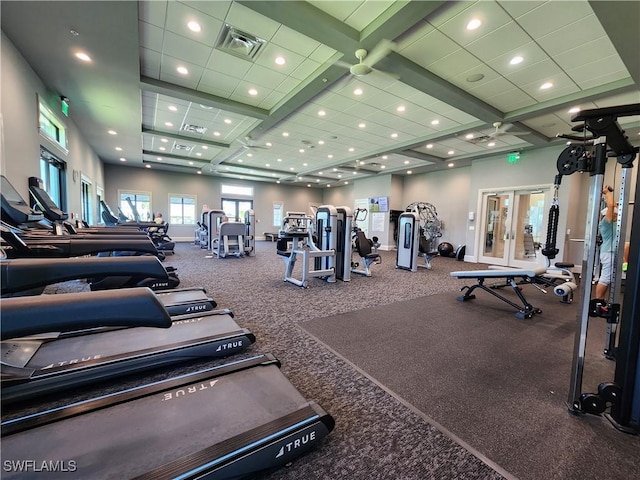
x: 55, y: 342
x: 418, y: 232
x: 230, y: 240
x: 234, y: 420
x: 362, y: 246
x: 589, y: 154
x: 250, y: 233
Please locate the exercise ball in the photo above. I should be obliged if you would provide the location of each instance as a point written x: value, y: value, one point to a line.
x: 445, y: 249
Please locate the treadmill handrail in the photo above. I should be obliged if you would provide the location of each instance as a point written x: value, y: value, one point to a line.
x: 65, y: 312
x: 23, y: 274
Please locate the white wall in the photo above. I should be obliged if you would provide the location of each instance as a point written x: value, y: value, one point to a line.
x: 20, y: 150
x: 207, y: 191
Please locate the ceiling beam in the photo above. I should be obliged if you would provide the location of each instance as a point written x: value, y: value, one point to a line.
x: 184, y: 138
x: 164, y: 88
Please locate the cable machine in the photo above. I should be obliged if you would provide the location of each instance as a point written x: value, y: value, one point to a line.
x: 589, y: 155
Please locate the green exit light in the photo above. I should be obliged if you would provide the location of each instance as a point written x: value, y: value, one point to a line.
x: 513, y: 157
x: 65, y: 107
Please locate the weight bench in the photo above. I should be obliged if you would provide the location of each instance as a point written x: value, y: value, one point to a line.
x: 512, y: 276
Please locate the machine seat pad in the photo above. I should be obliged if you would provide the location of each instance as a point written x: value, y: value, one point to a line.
x: 66, y: 312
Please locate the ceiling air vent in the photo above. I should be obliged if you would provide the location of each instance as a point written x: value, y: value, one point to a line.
x: 482, y: 139
x: 193, y: 128
x: 186, y: 148
x: 239, y: 43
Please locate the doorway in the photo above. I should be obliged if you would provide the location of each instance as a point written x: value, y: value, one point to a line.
x: 235, y: 209
x: 513, y: 227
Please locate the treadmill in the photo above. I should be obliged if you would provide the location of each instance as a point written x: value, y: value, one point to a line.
x: 82, y: 339
x: 225, y: 422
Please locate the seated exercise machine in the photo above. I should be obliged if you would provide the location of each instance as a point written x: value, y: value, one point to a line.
x: 55, y: 342
x: 362, y: 246
x: 327, y: 255
x: 512, y: 276
x: 418, y: 232
x: 230, y: 240
x: 207, y: 233
x: 232, y: 421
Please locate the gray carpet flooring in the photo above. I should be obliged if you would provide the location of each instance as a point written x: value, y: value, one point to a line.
x: 391, y: 424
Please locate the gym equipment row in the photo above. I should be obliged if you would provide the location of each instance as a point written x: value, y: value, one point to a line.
x: 224, y: 238
x: 225, y: 428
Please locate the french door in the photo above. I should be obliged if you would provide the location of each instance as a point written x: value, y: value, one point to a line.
x: 234, y: 209
x: 513, y: 226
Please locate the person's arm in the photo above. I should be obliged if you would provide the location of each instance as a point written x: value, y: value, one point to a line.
x: 607, y: 191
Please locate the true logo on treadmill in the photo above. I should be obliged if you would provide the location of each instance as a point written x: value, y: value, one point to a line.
x: 159, y: 284
x: 72, y: 361
x: 191, y: 389
x: 229, y: 346
x: 196, y: 308
x: 297, y: 443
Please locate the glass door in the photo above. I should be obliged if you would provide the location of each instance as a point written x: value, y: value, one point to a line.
x: 513, y: 227
x: 235, y: 209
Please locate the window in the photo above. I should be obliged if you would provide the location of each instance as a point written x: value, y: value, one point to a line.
x: 135, y: 206
x: 99, y: 198
x: 235, y: 209
x: 182, y: 209
x: 278, y: 208
x: 51, y: 127
x: 87, y: 205
x: 236, y: 190
x: 53, y: 176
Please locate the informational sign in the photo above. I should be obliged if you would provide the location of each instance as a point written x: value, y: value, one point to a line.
x: 379, y: 204
x: 377, y: 222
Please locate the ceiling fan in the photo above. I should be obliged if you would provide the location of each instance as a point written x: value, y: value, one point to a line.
x: 248, y: 143
x: 501, y: 130
x: 367, y: 60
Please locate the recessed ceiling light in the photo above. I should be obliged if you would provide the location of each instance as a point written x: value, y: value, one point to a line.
x: 401, y: 108
x: 320, y: 142
x: 339, y: 176
x: 267, y: 164
x: 112, y: 132
x: 204, y: 147
x: 119, y: 149
x: 491, y: 144
x: 216, y: 134
x: 277, y: 181
x: 473, y: 24
x: 291, y: 168
x: 574, y: 110
x: 409, y: 172
x: 194, y: 26
x: 268, y: 144
x: 450, y: 165
x: 361, y: 162
x: 358, y: 91
x: 168, y: 124
x: 451, y: 152
x: 329, y: 156
x: 406, y: 162
x: 322, y: 113
x: 308, y: 184
x: 301, y: 150
x: 285, y: 134
x: 351, y: 149
x: 280, y: 60
x: 328, y: 185
x: 182, y: 70
x: 304, y: 164
x: 173, y: 108
x: 435, y: 122
x: 516, y: 60
x: 227, y: 121
x: 394, y: 135
x: 469, y: 136
x: 346, y: 183
x: 164, y: 140
x: 278, y: 159
x: 161, y: 148
x: 249, y: 154
x: 319, y: 173
x: 253, y: 92
x: 206, y: 107
x: 546, y: 86
x: 354, y: 172
x: 122, y: 159
x: 383, y: 167
x: 83, y: 56
x: 361, y: 125
x: 240, y: 160
x: 190, y: 163
x: 148, y: 166
x: 159, y: 159
x: 429, y: 145
x: 199, y: 172
x: 198, y: 154
x: 384, y: 157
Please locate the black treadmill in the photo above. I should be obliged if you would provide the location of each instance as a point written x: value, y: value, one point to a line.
x: 55, y: 342
x: 226, y: 422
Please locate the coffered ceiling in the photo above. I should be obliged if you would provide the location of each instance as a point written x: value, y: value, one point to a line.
x: 266, y: 92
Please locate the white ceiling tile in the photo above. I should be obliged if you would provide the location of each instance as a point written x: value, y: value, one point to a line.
x: 499, y: 41
x: 180, y: 14
x: 269, y: 53
x: 583, y: 31
x: 150, y: 62
x: 186, y: 49
x: 218, y: 80
x: 621, y: 99
x: 443, y: 15
x: 294, y: 41
x: 509, y: 99
x: 461, y: 79
x: 150, y: 36
x: 454, y: 64
x: 337, y: 9
x: 306, y: 68
x: 228, y: 64
x: 287, y: 85
x: 587, y: 53
x: 534, y: 73
x: 218, y: 9
x: 562, y: 85
x: 366, y: 13
x: 430, y: 48
x: 551, y: 16
x: 168, y: 72
x: 530, y: 52
x: 586, y: 81
x: 251, y: 22
x: 153, y: 12
x: 520, y: 7
x: 380, y: 100
x: 322, y: 53
x: 490, y: 14
x: 215, y: 89
x: 264, y: 77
